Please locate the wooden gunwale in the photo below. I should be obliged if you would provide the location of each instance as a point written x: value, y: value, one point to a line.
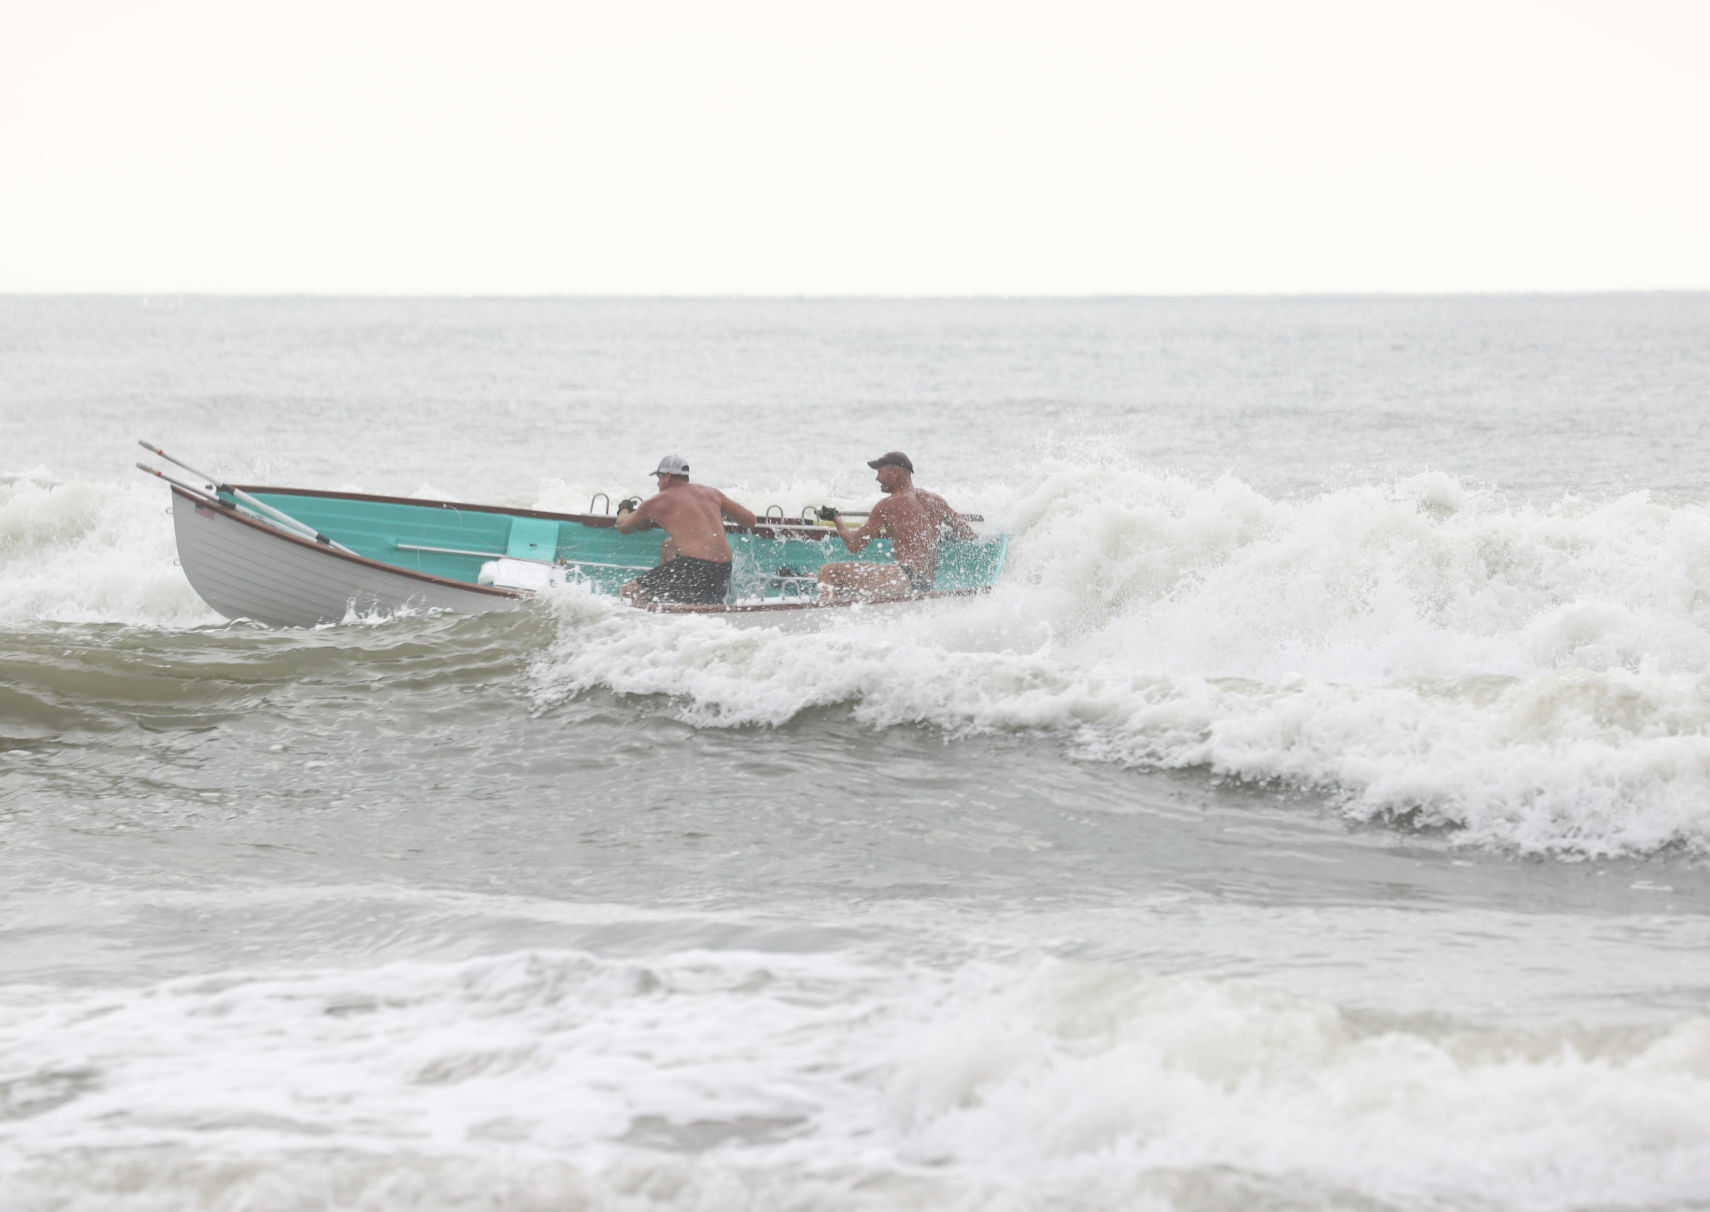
x: 804, y: 603
x: 798, y: 530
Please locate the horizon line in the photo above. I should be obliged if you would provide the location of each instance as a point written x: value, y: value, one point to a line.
x: 812, y: 296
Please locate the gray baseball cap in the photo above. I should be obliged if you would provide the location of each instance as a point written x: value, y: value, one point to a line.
x: 675, y: 465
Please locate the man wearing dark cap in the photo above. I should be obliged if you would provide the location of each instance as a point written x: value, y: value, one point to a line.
x: 693, y: 515
x: 914, y: 518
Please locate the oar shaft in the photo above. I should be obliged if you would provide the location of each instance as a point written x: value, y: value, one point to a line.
x: 198, y: 493
x: 278, y: 515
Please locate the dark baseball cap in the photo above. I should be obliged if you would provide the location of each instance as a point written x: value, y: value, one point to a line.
x: 894, y: 457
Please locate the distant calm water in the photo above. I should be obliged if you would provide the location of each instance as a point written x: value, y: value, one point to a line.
x: 1317, y: 816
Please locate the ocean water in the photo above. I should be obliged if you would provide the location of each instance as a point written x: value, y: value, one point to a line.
x: 1316, y: 816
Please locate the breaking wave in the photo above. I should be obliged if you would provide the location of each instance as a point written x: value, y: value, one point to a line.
x: 1421, y: 651
x: 554, y: 1079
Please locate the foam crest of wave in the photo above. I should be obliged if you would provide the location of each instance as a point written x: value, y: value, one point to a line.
x: 710, y: 1080
x: 91, y: 552
x: 1418, y: 577
x: 1534, y: 678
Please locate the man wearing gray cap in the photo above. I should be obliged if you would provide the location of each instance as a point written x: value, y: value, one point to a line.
x: 697, y: 556
x: 914, y: 518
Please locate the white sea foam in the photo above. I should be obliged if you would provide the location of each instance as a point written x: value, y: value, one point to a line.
x: 1532, y: 677
x: 717, y: 1080
x: 87, y: 552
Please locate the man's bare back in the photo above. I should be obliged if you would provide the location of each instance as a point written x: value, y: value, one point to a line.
x: 693, y: 516
x: 916, y: 520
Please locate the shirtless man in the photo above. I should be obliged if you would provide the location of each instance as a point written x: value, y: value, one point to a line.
x: 914, y: 518
x: 696, y: 557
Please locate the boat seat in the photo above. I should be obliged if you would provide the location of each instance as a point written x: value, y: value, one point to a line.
x: 533, y: 539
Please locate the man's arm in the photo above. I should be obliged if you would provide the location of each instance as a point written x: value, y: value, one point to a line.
x: 960, y: 528
x: 744, y: 518
x: 949, y: 517
x: 629, y: 521
x: 854, y: 539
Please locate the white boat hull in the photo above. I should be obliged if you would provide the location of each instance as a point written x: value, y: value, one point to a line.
x: 247, y: 570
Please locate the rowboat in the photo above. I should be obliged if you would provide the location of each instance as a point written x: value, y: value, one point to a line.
x: 294, y: 557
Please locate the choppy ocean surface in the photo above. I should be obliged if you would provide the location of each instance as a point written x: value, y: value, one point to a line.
x: 1317, y: 815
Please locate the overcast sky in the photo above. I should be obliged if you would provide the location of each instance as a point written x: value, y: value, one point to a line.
x: 868, y: 147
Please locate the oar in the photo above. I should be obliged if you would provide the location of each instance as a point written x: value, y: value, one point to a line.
x: 278, y: 515
x: 198, y: 493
